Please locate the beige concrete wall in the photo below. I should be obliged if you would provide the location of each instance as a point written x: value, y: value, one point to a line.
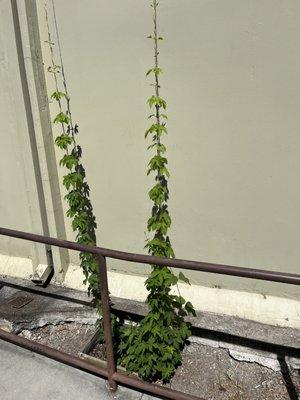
x: 231, y: 80
x: 29, y: 190
x: 232, y: 85
x: 18, y: 194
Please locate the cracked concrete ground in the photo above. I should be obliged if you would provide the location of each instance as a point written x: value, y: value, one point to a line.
x: 41, y: 310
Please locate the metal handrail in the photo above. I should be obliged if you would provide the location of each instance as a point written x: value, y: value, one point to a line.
x: 111, y: 372
x: 252, y: 273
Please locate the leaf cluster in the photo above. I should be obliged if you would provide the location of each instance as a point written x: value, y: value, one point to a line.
x: 80, y: 208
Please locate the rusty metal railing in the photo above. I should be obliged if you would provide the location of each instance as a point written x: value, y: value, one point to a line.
x: 110, y: 373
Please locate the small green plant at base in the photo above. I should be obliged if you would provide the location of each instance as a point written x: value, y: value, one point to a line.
x: 153, y: 348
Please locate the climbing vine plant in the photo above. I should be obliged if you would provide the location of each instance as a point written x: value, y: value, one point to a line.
x: 78, y: 192
x: 153, y: 348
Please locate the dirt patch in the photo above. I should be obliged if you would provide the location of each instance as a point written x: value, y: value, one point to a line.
x: 68, y: 337
x: 212, y: 374
x: 98, y: 352
x: 207, y: 372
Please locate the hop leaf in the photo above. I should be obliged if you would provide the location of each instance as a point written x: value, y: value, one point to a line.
x: 190, y: 309
x: 61, y: 118
x: 57, y: 95
x: 73, y: 179
x: 69, y: 161
x: 63, y: 141
x: 155, y: 71
x: 157, y: 101
x: 183, y: 278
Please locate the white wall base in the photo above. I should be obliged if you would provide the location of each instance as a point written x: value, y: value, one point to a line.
x: 16, y: 266
x: 271, y: 310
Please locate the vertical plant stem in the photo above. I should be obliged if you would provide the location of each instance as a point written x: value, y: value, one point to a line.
x: 64, y: 81
x: 54, y: 69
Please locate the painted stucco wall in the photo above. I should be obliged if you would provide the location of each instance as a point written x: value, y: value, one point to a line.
x: 231, y: 81
x: 18, y: 194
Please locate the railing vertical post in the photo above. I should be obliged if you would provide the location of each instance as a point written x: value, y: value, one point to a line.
x: 111, y: 366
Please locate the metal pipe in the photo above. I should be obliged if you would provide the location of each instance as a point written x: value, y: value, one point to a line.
x: 66, y: 244
x: 106, y: 319
x: 275, y: 276
x: 53, y: 353
x: 160, y: 391
x: 252, y: 273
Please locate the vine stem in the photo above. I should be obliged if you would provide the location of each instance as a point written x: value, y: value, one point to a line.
x: 157, y: 86
x: 157, y: 93
x: 155, y: 4
x: 63, y: 73
x: 53, y: 65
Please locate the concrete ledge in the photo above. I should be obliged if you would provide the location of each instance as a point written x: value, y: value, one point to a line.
x: 279, y: 311
x: 206, y: 323
x: 266, y: 309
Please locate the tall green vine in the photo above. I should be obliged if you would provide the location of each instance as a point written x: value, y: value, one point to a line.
x: 78, y: 192
x: 153, y: 348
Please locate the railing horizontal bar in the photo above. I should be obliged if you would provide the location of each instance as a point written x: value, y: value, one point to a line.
x: 161, y: 391
x: 252, y: 273
x: 49, y: 352
x: 242, y: 272
x: 49, y: 240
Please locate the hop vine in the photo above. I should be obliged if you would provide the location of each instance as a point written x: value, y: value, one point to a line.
x: 78, y: 191
x: 153, y: 348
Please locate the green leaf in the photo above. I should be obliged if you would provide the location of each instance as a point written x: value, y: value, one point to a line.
x: 71, y: 212
x: 157, y: 163
x: 190, y: 309
x: 183, y: 278
x: 57, y: 95
x: 155, y: 71
x: 63, y: 141
x: 73, y: 179
x: 69, y: 161
x: 158, y: 129
x: 80, y: 222
x: 158, y: 194
x: 61, y: 118
x: 75, y: 199
x: 157, y: 101
x: 54, y: 69
x: 159, y: 147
